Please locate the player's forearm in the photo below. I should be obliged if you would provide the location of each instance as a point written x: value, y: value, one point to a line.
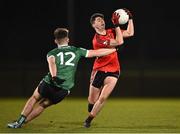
x: 52, y: 66
x: 119, y: 38
x: 101, y: 52
x: 130, y: 29
x: 53, y: 69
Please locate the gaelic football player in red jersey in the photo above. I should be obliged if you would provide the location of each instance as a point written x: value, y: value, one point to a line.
x: 106, y: 69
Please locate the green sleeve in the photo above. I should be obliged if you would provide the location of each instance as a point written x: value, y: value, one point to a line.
x: 83, y: 52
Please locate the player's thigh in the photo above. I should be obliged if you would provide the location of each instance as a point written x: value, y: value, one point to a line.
x: 109, y: 84
x: 93, y: 94
x: 36, y: 94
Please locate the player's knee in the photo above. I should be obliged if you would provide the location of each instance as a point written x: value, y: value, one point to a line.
x: 102, y: 99
x: 45, y: 104
x: 91, y: 100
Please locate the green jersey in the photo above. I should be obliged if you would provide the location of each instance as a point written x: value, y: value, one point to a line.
x: 66, y: 59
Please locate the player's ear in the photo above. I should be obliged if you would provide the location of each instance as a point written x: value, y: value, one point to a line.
x: 68, y: 40
x: 93, y: 25
x: 55, y: 41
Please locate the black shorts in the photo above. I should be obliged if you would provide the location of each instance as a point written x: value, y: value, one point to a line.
x: 97, y: 77
x: 54, y: 94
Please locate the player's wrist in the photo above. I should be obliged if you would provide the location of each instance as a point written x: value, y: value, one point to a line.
x: 54, y: 78
x: 115, y: 19
x: 57, y: 80
x: 130, y: 17
x: 116, y: 25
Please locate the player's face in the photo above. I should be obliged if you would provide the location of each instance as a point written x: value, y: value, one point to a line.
x: 99, y: 23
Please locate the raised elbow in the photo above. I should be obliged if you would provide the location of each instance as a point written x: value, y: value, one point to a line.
x: 131, y: 34
x: 120, y: 42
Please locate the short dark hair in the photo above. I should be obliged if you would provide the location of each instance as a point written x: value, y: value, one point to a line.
x: 93, y: 17
x: 61, y: 33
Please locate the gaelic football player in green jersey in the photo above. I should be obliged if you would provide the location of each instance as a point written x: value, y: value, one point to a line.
x: 57, y: 84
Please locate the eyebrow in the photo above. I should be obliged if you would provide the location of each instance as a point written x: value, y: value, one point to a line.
x: 98, y: 18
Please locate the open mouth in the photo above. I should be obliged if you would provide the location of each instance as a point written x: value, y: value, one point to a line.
x: 102, y: 24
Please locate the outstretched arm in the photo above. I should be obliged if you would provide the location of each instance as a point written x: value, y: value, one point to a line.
x: 100, y: 52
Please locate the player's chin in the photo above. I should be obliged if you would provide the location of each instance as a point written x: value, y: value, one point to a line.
x: 103, y: 26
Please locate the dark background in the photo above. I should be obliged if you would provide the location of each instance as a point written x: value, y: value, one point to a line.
x: 149, y: 60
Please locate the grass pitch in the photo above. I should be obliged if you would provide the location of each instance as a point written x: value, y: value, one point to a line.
x: 117, y: 116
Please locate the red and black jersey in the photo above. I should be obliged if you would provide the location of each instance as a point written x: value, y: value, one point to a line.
x: 108, y: 63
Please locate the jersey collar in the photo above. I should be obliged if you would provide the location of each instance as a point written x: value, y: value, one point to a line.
x: 62, y: 45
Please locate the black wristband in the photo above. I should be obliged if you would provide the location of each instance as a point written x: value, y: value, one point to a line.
x: 57, y: 80
x: 130, y: 16
x: 116, y: 25
x: 54, y: 77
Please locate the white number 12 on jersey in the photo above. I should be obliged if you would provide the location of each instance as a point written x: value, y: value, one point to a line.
x: 69, y: 61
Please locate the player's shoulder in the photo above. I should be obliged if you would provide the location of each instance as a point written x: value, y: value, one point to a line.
x: 53, y: 50
x: 110, y: 30
x: 81, y: 48
x: 113, y: 30
x: 77, y: 48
